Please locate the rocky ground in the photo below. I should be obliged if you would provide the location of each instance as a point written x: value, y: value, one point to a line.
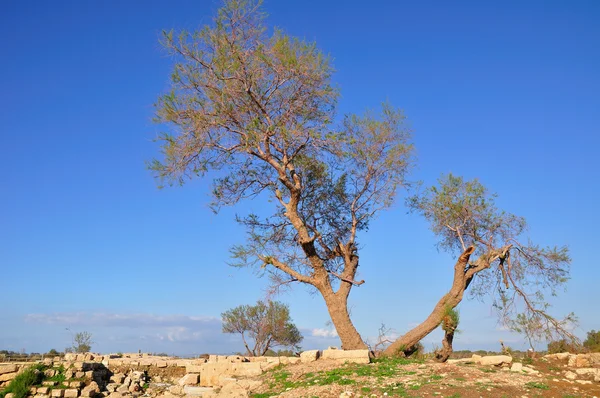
x: 547, y: 377
x: 331, y: 373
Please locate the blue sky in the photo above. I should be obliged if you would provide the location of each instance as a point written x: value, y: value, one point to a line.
x: 507, y: 92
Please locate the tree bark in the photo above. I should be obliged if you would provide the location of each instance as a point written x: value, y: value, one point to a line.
x: 450, y: 299
x: 447, y: 349
x: 337, y: 305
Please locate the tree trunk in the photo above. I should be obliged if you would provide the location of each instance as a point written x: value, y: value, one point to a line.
x: 449, y: 301
x: 337, y: 305
x: 447, y: 349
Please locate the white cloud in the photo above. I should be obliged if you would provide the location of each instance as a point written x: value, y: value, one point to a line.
x: 324, y: 333
x: 121, y: 320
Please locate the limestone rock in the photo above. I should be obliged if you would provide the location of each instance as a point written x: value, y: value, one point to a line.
x: 193, y: 368
x: 355, y: 356
x: 570, y: 375
x: 8, y: 376
x: 495, y: 360
x: 197, y: 391
x: 516, y: 367
x: 177, y: 390
x: 310, y: 356
x: 7, y: 369
x: 58, y: 393
x: 71, y: 393
x: 530, y: 370
x: 189, y: 379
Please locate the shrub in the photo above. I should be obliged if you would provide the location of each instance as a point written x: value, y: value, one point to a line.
x: 592, y: 342
x: 20, y: 385
x: 563, y: 345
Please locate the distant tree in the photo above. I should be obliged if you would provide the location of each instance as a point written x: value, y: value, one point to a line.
x: 510, y: 268
x: 592, y: 341
x: 267, y: 325
x: 82, y: 342
x: 258, y: 110
x: 53, y: 352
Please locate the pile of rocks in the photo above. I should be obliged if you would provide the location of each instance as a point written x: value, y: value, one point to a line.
x: 120, y: 376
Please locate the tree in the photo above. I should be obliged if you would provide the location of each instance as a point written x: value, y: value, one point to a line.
x: 268, y: 325
x: 82, y: 342
x: 592, y: 341
x: 515, y: 273
x: 256, y: 110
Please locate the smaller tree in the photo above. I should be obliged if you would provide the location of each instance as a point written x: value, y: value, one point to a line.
x: 267, y: 324
x: 82, y: 342
x: 592, y: 342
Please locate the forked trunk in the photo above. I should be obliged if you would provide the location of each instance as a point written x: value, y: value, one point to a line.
x: 405, y: 343
x: 337, y: 305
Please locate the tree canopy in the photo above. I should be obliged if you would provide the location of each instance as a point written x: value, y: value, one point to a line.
x: 257, y: 110
x: 267, y: 325
x: 510, y: 268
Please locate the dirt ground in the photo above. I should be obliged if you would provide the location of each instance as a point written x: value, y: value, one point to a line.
x: 429, y: 379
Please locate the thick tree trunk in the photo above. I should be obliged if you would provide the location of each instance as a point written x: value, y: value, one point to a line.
x: 449, y: 301
x: 337, y: 305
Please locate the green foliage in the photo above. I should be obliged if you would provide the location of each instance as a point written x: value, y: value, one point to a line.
x: 562, y: 345
x: 527, y: 361
x: 538, y: 385
x: 450, y: 319
x: 53, y: 352
x: 592, y: 341
x: 255, y: 107
x: 20, y: 385
x: 268, y: 325
x: 514, y: 271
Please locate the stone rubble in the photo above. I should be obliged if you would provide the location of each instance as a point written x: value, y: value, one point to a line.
x: 126, y: 376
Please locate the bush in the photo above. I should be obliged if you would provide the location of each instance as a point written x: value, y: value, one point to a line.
x: 21, y: 384
x: 592, y: 342
x: 554, y: 347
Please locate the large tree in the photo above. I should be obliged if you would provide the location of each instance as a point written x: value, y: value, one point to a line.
x: 256, y: 109
x: 495, y: 258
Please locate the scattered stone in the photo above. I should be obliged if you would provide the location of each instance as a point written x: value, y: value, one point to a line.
x: 177, y: 390
x: 570, y: 375
x: 516, y: 367
x: 495, y: 360
x: 197, y: 391
x: 530, y: 370
x: 189, y: 379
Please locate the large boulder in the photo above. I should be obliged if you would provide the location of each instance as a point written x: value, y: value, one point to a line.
x: 495, y: 360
